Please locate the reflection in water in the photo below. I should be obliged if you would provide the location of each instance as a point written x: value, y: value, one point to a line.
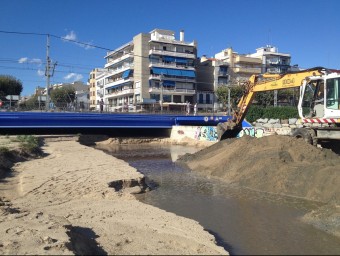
x: 244, y: 221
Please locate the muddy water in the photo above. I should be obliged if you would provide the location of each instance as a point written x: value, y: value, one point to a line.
x: 243, y: 221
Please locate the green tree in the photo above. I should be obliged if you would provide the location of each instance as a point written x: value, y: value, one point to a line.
x: 63, y: 95
x: 222, y: 95
x: 9, y: 85
x: 265, y: 99
x: 31, y: 103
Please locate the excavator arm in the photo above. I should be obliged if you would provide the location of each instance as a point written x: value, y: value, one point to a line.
x: 262, y: 83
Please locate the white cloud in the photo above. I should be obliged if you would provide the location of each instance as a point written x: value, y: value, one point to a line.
x: 23, y: 60
x: 71, y: 36
x: 73, y: 77
x: 27, y: 60
x: 36, y: 61
x: 40, y: 72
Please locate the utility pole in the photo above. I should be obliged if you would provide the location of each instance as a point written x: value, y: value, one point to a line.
x: 47, y: 72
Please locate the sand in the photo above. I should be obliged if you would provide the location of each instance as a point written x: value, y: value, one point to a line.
x: 73, y: 201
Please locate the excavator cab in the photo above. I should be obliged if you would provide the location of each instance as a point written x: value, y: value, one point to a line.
x: 322, y: 96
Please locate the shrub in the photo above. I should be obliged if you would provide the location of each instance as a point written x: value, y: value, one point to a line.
x: 28, y: 143
x: 257, y: 112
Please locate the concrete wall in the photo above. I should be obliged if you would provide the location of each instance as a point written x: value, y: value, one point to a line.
x: 263, y: 127
x: 141, y: 63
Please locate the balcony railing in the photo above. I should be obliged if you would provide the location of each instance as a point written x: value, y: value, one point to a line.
x: 170, y: 53
x: 170, y: 65
x: 171, y: 91
x: 247, y: 70
x: 179, y: 79
x: 118, y: 82
x: 239, y: 59
x: 120, y: 93
x: 115, y: 61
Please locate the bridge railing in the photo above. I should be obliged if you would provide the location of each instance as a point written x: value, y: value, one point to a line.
x: 178, y: 109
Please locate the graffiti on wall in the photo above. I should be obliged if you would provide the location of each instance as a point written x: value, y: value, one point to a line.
x: 208, y: 133
x: 252, y: 131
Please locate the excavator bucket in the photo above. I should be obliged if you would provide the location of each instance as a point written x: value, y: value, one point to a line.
x: 227, y: 130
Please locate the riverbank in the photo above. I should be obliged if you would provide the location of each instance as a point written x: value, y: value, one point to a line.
x: 77, y: 200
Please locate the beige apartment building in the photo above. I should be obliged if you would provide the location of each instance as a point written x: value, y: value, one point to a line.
x: 154, y: 69
x: 229, y: 68
x: 94, y: 96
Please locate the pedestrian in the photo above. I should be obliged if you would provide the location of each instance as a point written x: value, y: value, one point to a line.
x: 188, y: 108
x: 101, y: 106
x: 195, y: 109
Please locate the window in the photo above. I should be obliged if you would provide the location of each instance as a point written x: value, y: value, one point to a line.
x: 208, y: 99
x: 332, y: 93
x: 200, y: 98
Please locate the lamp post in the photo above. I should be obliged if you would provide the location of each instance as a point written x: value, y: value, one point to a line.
x: 161, y: 96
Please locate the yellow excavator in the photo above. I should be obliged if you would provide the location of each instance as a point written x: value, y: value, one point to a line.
x: 319, y: 90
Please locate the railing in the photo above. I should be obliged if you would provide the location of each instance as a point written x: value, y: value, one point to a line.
x: 171, y: 53
x: 172, y: 91
x: 81, y: 107
x: 177, y: 78
x: 170, y: 65
x: 115, y: 61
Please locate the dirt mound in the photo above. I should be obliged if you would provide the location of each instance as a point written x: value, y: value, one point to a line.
x: 276, y: 164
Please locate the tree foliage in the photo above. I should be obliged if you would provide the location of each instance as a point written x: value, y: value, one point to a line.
x: 222, y: 94
x: 63, y: 95
x: 9, y: 85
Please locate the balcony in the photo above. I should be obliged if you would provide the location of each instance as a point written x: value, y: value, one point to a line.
x: 244, y: 59
x: 119, y: 70
x: 247, y: 70
x: 174, y: 54
x: 115, y: 61
x: 120, y: 93
x: 170, y: 65
x: 158, y: 77
x: 157, y: 90
x: 118, y: 82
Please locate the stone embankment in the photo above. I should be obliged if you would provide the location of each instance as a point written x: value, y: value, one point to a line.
x: 281, y: 127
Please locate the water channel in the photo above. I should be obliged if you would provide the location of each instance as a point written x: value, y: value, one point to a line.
x: 243, y: 221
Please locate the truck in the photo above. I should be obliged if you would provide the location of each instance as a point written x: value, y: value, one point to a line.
x: 319, y: 93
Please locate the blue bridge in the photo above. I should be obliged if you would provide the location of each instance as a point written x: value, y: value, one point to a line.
x: 96, y: 123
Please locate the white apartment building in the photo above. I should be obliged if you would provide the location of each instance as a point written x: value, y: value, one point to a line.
x: 272, y: 60
x: 153, y: 68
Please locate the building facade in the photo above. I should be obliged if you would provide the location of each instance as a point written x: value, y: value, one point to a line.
x: 272, y: 60
x: 211, y: 73
x: 94, y: 99
x: 153, y: 69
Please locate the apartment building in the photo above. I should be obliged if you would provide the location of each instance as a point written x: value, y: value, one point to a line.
x: 241, y: 66
x: 94, y: 99
x: 151, y: 70
x: 272, y: 60
x: 211, y: 73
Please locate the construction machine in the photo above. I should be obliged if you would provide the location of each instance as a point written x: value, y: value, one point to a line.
x: 319, y: 91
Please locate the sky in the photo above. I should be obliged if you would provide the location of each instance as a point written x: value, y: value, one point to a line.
x: 309, y: 30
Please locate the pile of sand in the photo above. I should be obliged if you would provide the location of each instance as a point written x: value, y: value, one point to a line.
x: 276, y: 164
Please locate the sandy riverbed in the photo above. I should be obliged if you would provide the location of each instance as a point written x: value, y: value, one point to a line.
x: 62, y: 204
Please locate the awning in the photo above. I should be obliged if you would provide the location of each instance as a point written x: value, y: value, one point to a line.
x: 169, y: 83
x: 173, y: 72
x: 181, y: 60
x: 169, y: 58
x: 126, y: 73
x: 175, y: 59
